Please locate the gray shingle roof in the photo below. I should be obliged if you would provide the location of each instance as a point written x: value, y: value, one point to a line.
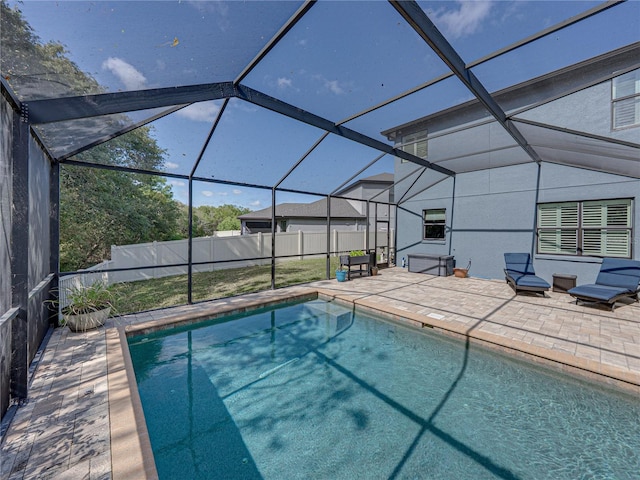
x: 340, y: 208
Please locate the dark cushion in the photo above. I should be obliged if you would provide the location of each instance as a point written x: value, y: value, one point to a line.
x: 527, y: 280
x: 519, y: 262
x: 619, y: 272
x: 598, y: 292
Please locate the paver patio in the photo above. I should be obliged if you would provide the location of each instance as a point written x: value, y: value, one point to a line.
x: 65, y: 430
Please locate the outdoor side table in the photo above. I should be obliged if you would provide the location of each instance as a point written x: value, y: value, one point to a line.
x: 563, y: 282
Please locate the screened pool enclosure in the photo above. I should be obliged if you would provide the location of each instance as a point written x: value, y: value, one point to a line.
x: 127, y: 125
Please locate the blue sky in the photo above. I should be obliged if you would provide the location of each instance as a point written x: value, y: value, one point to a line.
x: 340, y: 59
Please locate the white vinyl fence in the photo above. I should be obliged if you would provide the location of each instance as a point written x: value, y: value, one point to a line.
x: 150, y: 260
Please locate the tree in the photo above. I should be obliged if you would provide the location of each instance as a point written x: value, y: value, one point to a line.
x: 207, y: 219
x: 100, y: 208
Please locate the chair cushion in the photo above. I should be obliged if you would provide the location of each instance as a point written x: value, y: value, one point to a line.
x: 527, y: 280
x: 598, y: 292
x: 619, y: 272
x: 519, y: 262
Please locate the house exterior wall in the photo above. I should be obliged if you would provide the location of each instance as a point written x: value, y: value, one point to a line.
x: 494, y: 211
x: 309, y: 225
x: 588, y: 111
x: 490, y: 212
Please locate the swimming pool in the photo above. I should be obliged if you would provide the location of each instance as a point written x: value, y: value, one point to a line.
x: 318, y: 390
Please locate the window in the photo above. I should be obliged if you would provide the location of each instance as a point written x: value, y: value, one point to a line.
x: 626, y: 100
x: 600, y: 228
x: 434, y: 224
x: 415, y: 144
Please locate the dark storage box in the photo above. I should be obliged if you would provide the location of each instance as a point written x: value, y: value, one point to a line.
x: 441, y: 265
x: 563, y: 282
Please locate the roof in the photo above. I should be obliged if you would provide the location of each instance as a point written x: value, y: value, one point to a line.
x: 340, y: 208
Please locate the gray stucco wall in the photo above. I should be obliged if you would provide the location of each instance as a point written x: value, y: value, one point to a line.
x: 305, y: 225
x: 494, y: 212
x: 588, y: 110
x: 5, y: 251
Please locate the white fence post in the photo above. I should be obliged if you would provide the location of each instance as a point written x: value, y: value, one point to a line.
x: 212, y: 255
x: 300, y: 245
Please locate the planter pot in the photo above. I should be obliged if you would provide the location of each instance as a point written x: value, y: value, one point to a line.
x: 460, y: 272
x: 86, y: 321
x: 341, y: 275
x: 374, y: 270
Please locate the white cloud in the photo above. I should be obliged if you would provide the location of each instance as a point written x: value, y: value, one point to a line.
x: 177, y: 183
x: 171, y: 165
x: 218, y: 10
x: 257, y: 203
x: 207, y: 193
x: 200, y: 112
x: 126, y: 73
x: 466, y: 20
x: 235, y: 191
x: 334, y: 86
x: 284, y: 82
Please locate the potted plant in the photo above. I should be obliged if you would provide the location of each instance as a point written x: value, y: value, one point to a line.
x: 462, y: 272
x: 88, y: 306
x: 356, y: 257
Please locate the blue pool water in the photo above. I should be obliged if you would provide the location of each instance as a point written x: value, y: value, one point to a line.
x: 316, y: 391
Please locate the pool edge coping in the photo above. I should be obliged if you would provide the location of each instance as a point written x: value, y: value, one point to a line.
x: 125, y: 407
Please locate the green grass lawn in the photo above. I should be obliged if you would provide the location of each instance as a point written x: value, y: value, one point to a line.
x: 170, y: 291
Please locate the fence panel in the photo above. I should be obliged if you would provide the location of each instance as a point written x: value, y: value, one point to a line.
x: 226, y: 252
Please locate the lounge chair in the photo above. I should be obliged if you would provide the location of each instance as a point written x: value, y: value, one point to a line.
x: 618, y: 278
x: 521, y: 276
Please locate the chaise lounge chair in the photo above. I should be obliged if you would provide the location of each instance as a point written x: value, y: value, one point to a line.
x: 520, y: 275
x: 618, y: 278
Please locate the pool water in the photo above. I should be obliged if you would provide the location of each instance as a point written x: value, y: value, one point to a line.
x: 317, y: 391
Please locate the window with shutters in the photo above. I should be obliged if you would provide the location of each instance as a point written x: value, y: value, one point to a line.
x: 625, y: 99
x: 415, y: 144
x: 600, y: 228
x: 434, y: 221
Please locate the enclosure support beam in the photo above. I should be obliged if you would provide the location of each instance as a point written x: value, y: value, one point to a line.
x: 422, y: 24
x: 270, y: 103
x: 54, y: 236
x: 273, y: 238
x: 329, y: 237
x: 20, y: 257
x: 190, y: 246
x: 85, y: 106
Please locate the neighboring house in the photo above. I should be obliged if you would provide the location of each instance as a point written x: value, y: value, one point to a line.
x: 308, y: 217
x: 377, y: 188
x: 347, y: 214
x: 578, y: 202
